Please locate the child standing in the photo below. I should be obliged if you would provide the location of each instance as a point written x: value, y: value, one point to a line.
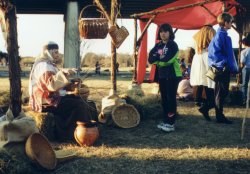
x: 164, y: 56
x: 245, y: 64
x: 220, y: 55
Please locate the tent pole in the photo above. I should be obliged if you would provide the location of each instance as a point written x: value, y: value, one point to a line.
x: 175, y: 30
x: 135, y: 53
x: 208, y: 11
x: 154, y: 12
x: 138, y: 43
x: 239, y: 53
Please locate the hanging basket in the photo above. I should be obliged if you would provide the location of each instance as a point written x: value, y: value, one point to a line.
x: 92, y: 28
x: 118, y: 35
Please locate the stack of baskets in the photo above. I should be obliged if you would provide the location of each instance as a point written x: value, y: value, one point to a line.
x: 116, y: 112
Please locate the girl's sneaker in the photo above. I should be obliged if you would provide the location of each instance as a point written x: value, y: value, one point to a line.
x: 166, y: 127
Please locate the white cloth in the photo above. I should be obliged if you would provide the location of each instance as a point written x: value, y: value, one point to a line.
x: 199, y: 69
x: 184, y: 89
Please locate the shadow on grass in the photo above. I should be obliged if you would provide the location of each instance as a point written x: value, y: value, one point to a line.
x: 157, y: 165
x: 123, y: 163
x: 191, y: 131
x: 122, y: 150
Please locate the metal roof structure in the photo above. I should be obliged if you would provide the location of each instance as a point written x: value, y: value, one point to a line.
x: 127, y: 7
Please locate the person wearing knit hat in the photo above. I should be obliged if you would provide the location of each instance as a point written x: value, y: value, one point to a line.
x: 47, y: 92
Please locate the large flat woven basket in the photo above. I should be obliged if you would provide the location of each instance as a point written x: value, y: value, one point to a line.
x: 39, y: 150
x: 125, y: 116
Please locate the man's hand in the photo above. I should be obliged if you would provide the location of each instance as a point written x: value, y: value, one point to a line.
x: 69, y: 71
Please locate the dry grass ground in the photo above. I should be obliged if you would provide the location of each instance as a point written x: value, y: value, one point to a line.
x: 196, y: 147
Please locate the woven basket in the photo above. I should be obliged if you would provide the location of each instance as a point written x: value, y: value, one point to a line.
x: 125, y: 116
x: 118, y: 35
x: 39, y: 150
x: 84, y: 91
x: 92, y: 28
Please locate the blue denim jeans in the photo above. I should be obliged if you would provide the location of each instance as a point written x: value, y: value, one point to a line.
x: 245, y: 80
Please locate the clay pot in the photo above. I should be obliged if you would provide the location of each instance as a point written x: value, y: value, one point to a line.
x: 86, y: 133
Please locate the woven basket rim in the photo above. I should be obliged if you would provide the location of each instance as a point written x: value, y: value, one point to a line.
x: 123, y: 124
x: 35, y: 153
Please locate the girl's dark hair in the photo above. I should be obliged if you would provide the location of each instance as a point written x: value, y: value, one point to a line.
x: 166, y: 27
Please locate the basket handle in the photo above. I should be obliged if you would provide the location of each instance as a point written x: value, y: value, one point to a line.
x: 80, y: 15
x: 99, y: 5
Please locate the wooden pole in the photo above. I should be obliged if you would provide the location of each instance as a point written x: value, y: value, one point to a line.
x: 98, y: 3
x: 113, y: 91
x: 154, y: 12
x: 138, y: 43
x: 238, y: 76
x: 135, y: 53
x: 14, y: 66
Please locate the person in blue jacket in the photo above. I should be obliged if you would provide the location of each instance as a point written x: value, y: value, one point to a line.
x: 164, y: 56
x: 221, y: 56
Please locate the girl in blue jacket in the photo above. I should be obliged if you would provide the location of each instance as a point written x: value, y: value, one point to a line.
x: 164, y: 56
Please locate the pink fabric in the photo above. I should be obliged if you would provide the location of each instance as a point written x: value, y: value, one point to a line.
x: 142, y: 56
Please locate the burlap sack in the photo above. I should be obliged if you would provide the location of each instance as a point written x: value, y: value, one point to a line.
x: 16, y: 129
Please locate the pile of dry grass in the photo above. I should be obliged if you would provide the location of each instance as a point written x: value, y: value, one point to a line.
x: 148, y: 106
x: 45, y: 122
x: 5, y: 98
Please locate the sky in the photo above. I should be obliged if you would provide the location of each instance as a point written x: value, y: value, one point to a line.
x: 36, y: 30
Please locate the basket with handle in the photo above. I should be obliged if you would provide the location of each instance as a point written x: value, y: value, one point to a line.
x: 118, y: 34
x: 92, y: 28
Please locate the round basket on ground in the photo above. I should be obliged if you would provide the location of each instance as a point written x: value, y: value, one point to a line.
x: 125, y: 116
x: 39, y: 150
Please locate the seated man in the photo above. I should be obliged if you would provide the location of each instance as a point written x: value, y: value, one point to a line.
x: 47, y: 93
